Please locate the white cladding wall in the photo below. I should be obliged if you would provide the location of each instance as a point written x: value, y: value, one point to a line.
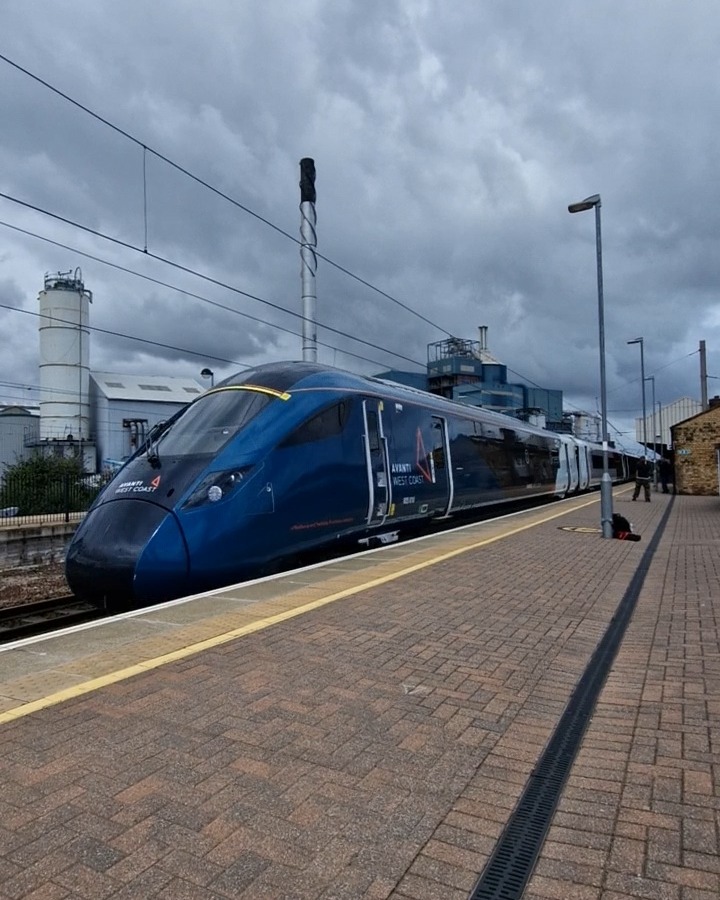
x: 64, y: 362
x: 17, y: 426
x: 125, y: 407
x: 665, y: 418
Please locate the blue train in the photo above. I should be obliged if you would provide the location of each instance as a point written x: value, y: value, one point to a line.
x: 293, y: 457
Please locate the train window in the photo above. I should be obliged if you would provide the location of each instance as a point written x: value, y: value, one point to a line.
x: 209, y: 423
x: 466, y: 446
x: 327, y: 423
x: 373, y: 431
x: 438, y: 443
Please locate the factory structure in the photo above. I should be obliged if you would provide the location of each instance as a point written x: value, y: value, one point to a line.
x: 467, y: 372
x: 101, y: 418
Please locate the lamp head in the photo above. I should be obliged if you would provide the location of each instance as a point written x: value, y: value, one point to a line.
x: 587, y: 203
x: 636, y: 341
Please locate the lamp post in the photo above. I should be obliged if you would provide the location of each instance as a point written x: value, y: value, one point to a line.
x: 606, y: 499
x: 642, y: 380
x: 654, y: 424
x: 208, y: 373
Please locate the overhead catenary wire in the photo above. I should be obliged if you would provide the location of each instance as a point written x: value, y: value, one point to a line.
x: 667, y: 365
x: 176, y: 265
x: 201, y: 181
x: 130, y: 337
x: 104, y: 419
x: 201, y: 297
x: 229, y: 287
x: 145, y: 148
x: 185, y: 292
x: 170, y: 162
x: 203, y: 277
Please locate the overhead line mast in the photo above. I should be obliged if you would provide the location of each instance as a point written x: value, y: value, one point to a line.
x: 308, y: 257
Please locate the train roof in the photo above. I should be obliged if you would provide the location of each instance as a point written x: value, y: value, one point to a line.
x: 295, y: 375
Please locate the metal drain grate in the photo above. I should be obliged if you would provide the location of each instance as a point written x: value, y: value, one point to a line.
x: 509, y: 868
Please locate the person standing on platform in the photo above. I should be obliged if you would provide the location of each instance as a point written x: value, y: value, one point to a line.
x: 643, y: 474
x: 665, y: 469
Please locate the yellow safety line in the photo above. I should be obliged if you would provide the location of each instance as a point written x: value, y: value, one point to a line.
x: 121, y: 674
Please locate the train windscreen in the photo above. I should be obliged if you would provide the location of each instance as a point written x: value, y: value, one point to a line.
x: 209, y: 423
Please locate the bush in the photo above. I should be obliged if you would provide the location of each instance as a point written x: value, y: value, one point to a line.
x: 44, y: 485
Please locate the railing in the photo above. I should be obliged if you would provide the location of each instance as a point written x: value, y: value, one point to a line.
x: 28, y: 500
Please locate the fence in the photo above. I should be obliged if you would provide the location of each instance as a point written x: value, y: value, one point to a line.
x: 34, y: 499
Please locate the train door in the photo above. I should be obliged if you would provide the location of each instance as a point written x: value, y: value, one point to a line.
x: 573, y: 453
x: 583, y: 467
x: 440, y: 467
x: 563, y: 476
x: 377, y: 461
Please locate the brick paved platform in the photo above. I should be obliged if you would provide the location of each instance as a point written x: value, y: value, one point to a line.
x: 376, y: 746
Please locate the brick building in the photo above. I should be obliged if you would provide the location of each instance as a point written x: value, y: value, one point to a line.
x: 696, y: 444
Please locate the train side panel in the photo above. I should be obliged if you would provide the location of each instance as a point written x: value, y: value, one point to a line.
x: 292, y: 457
x: 495, y: 462
x: 420, y: 480
x: 319, y: 479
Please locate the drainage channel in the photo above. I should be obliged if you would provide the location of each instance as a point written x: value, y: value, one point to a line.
x: 509, y: 868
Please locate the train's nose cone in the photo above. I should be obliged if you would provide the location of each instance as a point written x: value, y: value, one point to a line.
x: 127, y: 550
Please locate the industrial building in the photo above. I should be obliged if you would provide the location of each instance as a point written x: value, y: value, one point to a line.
x: 466, y: 371
x: 125, y: 407
x: 102, y: 417
x: 98, y: 417
x: 657, y: 425
x: 19, y: 429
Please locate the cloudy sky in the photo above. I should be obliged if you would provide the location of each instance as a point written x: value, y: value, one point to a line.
x: 449, y: 137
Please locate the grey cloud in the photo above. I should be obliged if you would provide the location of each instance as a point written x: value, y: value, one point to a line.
x: 448, y: 139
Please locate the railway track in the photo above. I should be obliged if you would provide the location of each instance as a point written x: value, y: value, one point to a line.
x: 44, y: 617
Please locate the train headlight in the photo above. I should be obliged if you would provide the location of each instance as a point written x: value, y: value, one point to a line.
x: 216, y: 486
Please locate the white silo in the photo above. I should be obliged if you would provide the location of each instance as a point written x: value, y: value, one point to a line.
x: 64, y: 358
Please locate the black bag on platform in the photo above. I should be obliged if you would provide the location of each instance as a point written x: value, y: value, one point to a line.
x: 622, y: 529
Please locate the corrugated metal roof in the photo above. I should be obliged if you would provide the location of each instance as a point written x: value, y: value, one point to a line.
x: 19, y: 411
x: 158, y: 388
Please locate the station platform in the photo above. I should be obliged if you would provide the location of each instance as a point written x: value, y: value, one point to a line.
x: 380, y: 726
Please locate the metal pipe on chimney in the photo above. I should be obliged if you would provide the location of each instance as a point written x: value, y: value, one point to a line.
x: 703, y: 377
x: 308, y: 258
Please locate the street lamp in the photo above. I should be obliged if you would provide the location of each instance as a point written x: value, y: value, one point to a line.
x: 642, y: 380
x: 208, y: 373
x: 606, y: 499
x: 654, y: 423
